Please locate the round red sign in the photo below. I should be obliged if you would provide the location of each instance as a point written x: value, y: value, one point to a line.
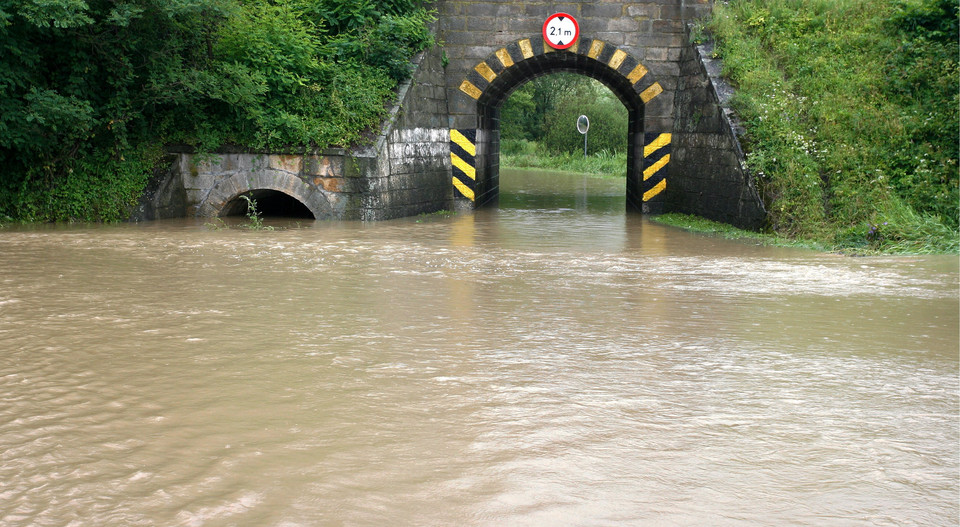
x: 561, y: 30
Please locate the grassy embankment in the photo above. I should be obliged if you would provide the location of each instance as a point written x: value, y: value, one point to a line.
x: 850, y: 108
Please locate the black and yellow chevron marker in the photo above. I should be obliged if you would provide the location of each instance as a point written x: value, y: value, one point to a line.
x: 463, y: 155
x: 606, y: 54
x: 656, y: 156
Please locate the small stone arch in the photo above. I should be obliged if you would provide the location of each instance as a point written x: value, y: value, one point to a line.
x: 475, y: 152
x: 230, y: 188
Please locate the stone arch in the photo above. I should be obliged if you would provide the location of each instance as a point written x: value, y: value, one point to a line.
x: 475, y: 153
x: 230, y: 188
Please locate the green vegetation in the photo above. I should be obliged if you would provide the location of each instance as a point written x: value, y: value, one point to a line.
x: 877, y: 245
x: 425, y: 216
x: 723, y: 230
x: 851, y: 112
x: 253, y: 215
x: 520, y: 153
x: 538, y: 126
x: 91, y: 90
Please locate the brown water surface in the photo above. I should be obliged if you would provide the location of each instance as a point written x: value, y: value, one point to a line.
x: 551, y: 362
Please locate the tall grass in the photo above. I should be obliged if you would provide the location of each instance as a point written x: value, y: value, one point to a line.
x: 845, y: 149
x: 529, y: 154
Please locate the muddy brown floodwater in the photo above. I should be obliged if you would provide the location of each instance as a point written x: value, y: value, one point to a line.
x: 551, y: 362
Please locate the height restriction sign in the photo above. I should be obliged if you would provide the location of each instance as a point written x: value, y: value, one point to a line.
x: 561, y: 31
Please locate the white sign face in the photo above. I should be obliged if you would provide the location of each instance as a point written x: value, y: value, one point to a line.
x: 583, y: 124
x: 561, y: 31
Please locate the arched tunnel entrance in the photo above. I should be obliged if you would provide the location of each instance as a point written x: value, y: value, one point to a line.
x: 539, y: 138
x: 269, y: 203
x: 492, y: 81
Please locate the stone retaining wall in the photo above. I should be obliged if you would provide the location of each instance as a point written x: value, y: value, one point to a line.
x: 708, y: 175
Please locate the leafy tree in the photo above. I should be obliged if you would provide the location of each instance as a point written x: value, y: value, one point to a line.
x: 545, y: 110
x: 91, y: 89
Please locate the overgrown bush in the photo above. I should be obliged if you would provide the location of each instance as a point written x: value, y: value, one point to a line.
x: 90, y: 90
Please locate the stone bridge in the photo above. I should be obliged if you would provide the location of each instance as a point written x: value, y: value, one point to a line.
x: 440, y: 147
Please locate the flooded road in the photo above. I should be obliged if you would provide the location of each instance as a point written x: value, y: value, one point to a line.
x: 552, y: 362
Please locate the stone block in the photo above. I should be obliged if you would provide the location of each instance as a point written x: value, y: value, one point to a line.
x: 647, y: 10
x: 615, y: 38
x: 602, y: 10
x: 622, y: 25
x: 201, y: 181
x: 325, y: 166
x: 195, y: 196
x: 656, y: 53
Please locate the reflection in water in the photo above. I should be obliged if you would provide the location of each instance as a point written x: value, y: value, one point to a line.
x: 531, y: 365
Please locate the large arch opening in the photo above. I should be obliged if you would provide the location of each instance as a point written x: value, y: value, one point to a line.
x: 270, y: 203
x: 546, y: 162
x: 492, y: 81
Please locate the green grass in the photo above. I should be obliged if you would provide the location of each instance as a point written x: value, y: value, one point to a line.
x: 723, y: 230
x: 931, y: 243
x: 850, y: 110
x: 529, y: 154
x: 428, y: 216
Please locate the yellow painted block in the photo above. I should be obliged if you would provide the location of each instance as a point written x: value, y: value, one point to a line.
x: 652, y: 193
x: 637, y: 74
x: 463, y: 142
x: 471, y: 90
x: 617, y: 59
x: 504, y: 57
x: 526, y: 48
x: 595, y: 49
x: 464, y: 167
x: 484, y: 70
x: 465, y: 190
x: 651, y: 92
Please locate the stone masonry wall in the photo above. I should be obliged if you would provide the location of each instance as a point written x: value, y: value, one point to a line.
x: 415, y: 174
x: 708, y: 175
x: 651, y: 31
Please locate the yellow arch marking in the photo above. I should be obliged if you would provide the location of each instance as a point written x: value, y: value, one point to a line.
x: 505, y: 57
x: 617, y: 59
x: 652, y: 169
x: 525, y: 48
x: 652, y: 193
x: 595, y: 49
x: 651, y: 92
x: 637, y: 74
x: 471, y: 90
x: 465, y: 190
x: 484, y: 70
x: 463, y: 166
